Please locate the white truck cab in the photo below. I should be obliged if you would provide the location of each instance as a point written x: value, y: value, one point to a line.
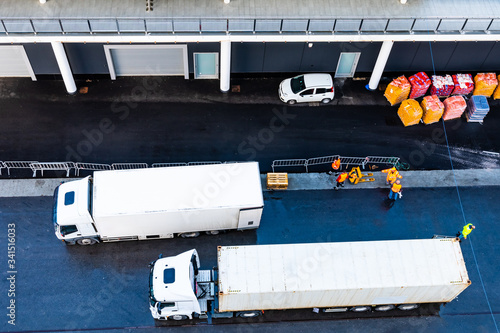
x: 71, y: 216
x: 178, y: 290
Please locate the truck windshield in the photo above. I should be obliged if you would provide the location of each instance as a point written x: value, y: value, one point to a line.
x: 297, y: 84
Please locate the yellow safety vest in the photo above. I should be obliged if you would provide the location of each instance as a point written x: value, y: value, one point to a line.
x: 467, y: 229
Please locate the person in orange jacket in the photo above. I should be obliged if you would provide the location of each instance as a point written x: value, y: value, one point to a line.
x: 341, y: 179
x: 395, y: 190
x: 392, y: 175
x: 335, y: 165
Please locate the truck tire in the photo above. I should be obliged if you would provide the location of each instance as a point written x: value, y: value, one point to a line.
x: 248, y: 314
x: 407, y: 307
x: 362, y: 308
x: 86, y: 241
x: 383, y: 308
x: 213, y: 232
x: 189, y: 234
x: 178, y: 317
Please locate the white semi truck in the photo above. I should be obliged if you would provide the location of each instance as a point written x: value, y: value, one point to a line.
x: 158, y: 203
x: 327, y: 277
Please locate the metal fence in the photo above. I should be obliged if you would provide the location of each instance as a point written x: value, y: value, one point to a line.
x: 344, y: 160
x: 75, y: 26
x: 36, y: 166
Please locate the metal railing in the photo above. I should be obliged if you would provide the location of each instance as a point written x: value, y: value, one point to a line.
x: 344, y: 160
x: 90, y: 166
x: 36, y: 166
x: 68, y: 26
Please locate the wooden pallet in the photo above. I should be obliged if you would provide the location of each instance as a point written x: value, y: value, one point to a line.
x: 277, y: 180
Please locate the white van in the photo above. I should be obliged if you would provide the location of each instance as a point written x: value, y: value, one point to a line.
x: 307, y: 88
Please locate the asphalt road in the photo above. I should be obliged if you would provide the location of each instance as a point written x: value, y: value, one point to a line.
x: 104, y: 132
x: 104, y: 287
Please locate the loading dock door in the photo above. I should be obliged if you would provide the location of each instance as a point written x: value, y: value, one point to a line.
x: 147, y: 60
x: 14, y: 62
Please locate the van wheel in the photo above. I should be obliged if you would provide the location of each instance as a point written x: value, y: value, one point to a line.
x: 248, y: 314
x: 178, y: 317
x: 326, y: 100
x: 363, y: 308
x: 384, y: 308
x: 213, y: 232
x: 86, y: 241
x: 407, y: 307
x: 189, y: 234
x: 291, y: 101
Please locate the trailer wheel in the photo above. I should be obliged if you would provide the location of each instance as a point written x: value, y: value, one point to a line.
x: 189, y: 234
x: 362, y: 308
x: 178, y: 317
x: 383, y: 308
x: 248, y: 314
x: 86, y: 241
x: 213, y: 232
x: 407, y: 307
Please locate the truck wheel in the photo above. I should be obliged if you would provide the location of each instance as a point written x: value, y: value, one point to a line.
x: 86, y: 241
x: 189, y: 234
x: 362, y: 308
x: 178, y: 317
x: 248, y: 314
x: 213, y: 232
x: 384, y: 308
x: 407, y: 307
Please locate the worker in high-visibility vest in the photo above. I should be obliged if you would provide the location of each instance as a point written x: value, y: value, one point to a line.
x: 392, y: 175
x: 395, y: 190
x: 335, y: 166
x: 467, y: 229
x: 341, y: 179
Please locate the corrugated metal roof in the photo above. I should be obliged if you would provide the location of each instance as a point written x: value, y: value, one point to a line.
x: 299, y: 9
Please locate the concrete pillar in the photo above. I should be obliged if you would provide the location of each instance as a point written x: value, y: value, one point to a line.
x: 225, y: 65
x: 383, y: 55
x: 62, y: 62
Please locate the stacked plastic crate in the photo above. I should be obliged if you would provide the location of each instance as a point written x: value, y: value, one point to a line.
x: 477, y: 108
x: 432, y: 108
x: 419, y: 82
x: 398, y: 90
x: 410, y: 112
x: 485, y: 84
x: 454, y: 107
x: 442, y: 85
x: 463, y: 84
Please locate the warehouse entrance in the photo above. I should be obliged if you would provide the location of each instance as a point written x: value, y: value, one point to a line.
x: 147, y: 60
x: 14, y: 62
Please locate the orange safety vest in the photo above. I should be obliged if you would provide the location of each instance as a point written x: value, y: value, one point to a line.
x: 336, y: 164
x: 342, y: 177
x: 391, y: 170
x: 396, y: 188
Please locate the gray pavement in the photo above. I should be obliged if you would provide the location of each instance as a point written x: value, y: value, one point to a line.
x: 300, y: 181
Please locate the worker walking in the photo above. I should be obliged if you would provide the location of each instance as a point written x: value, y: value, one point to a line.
x: 392, y: 175
x: 395, y: 191
x: 467, y: 229
x: 341, y: 179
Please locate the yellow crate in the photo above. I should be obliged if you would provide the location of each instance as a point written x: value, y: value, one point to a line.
x: 277, y: 180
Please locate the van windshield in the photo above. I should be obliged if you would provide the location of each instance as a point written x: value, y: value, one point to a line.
x: 297, y: 84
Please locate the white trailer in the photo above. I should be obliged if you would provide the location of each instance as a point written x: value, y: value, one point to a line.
x: 327, y: 277
x: 158, y: 203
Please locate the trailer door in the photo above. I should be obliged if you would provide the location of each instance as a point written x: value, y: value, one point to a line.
x: 249, y: 218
